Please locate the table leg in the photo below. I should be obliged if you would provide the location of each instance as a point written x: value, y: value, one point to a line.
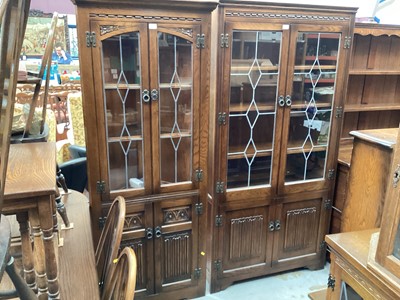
x: 46, y: 221
x: 39, y: 253
x: 26, y: 247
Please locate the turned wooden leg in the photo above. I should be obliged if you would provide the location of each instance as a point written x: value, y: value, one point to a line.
x: 62, y: 210
x: 61, y: 180
x: 46, y: 222
x: 39, y: 253
x: 26, y: 247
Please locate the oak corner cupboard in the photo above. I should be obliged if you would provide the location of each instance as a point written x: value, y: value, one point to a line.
x: 145, y: 84
x: 280, y: 80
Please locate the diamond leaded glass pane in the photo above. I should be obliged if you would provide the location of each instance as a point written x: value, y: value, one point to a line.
x: 252, y: 107
x: 312, y: 102
x: 121, y: 75
x: 176, y: 108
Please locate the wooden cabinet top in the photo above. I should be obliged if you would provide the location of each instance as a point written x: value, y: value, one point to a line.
x: 173, y: 4
x: 385, y: 137
x: 353, y: 246
x: 376, y: 29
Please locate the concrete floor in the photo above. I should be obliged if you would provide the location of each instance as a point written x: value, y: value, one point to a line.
x: 283, y: 286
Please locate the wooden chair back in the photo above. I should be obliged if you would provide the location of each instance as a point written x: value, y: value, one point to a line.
x: 121, y: 282
x: 110, y: 239
x: 13, y: 18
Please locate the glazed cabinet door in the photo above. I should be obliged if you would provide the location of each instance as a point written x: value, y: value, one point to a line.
x: 176, y: 244
x: 122, y: 108
x: 313, y: 95
x: 139, y: 235
x: 250, y: 119
x: 300, y: 227
x: 175, y: 105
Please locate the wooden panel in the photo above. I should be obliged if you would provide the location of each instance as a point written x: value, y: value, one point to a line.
x: 350, y: 123
x: 367, y: 186
x: 300, y: 227
x: 355, y: 89
x: 394, y: 53
x: 379, y: 53
x: 244, y: 237
x: 360, y: 52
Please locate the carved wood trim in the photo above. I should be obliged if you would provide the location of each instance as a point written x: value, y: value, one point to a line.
x: 146, y: 18
x: 301, y: 211
x: 140, y: 251
x: 177, y: 215
x: 133, y: 221
x: 285, y: 16
x: 361, y: 279
x: 104, y: 29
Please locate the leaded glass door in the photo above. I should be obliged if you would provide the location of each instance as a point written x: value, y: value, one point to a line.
x: 256, y: 76
x: 175, y: 98
x: 121, y: 81
x: 310, y: 128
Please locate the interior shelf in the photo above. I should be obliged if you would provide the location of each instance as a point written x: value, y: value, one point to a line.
x: 243, y: 107
x: 373, y: 72
x: 321, y: 57
x: 371, y: 107
x: 174, y: 135
x: 131, y: 138
x: 121, y: 86
x: 315, y: 67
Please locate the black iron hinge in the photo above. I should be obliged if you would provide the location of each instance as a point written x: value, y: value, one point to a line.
x: 331, y: 174
x: 224, y: 40
x: 322, y: 246
x: 200, y: 41
x: 222, y: 118
x: 331, y: 282
x: 218, y: 265
x: 100, y: 187
x: 347, y: 42
x: 328, y: 204
x: 219, y: 187
x: 199, y: 175
x: 102, y: 221
x: 197, y: 273
x: 218, y: 220
x: 339, y: 112
x: 199, y: 208
x: 90, y: 39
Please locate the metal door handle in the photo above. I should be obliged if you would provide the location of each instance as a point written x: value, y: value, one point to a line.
x: 277, y: 225
x: 149, y: 233
x: 271, y: 226
x: 158, y: 232
x: 145, y: 96
x: 154, y: 95
x: 288, y: 100
x: 281, y: 101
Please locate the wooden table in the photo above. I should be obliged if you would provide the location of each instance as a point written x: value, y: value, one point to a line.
x: 77, y: 267
x: 349, y: 264
x: 29, y: 193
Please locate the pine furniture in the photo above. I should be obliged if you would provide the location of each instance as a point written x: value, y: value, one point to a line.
x: 145, y: 90
x: 280, y: 76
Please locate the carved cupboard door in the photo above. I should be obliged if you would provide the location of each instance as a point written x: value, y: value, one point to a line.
x: 246, y: 239
x: 138, y: 234
x: 176, y: 248
x: 300, y: 227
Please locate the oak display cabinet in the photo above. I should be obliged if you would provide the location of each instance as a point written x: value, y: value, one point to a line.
x: 145, y: 84
x: 280, y: 76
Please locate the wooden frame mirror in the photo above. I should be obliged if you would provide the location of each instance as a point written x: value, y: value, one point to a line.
x: 388, y: 249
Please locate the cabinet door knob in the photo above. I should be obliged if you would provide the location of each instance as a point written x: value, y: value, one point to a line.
x: 281, y: 101
x: 154, y: 95
x: 149, y: 233
x: 158, y: 232
x: 145, y: 96
x: 271, y: 226
x: 288, y: 100
x: 277, y: 225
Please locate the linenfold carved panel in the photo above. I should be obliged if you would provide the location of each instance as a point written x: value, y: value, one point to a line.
x: 301, y: 225
x: 246, y: 237
x: 177, y: 257
x: 285, y: 16
x: 133, y: 221
x: 139, y: 248
x: 177, y: 215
